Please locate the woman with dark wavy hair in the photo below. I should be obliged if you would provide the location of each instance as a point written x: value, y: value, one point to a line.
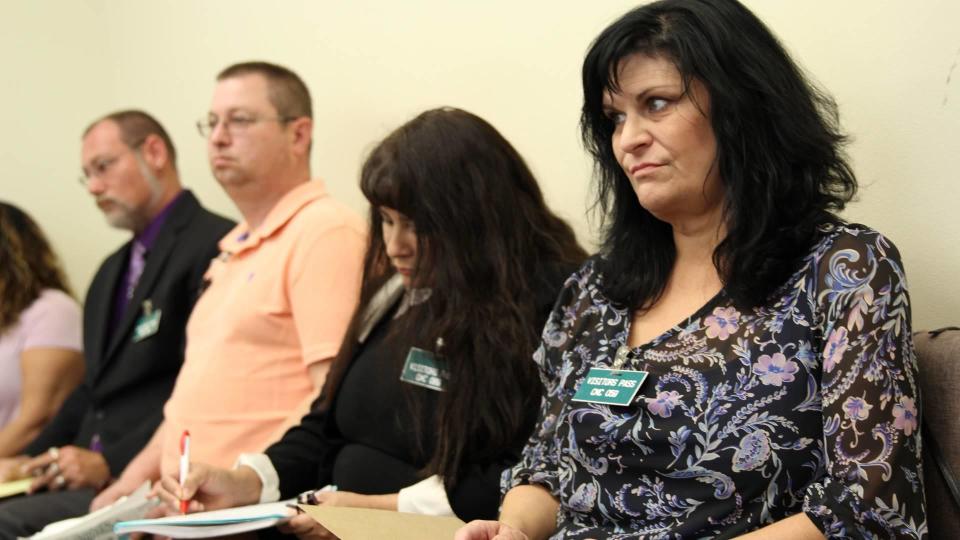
x: 433, y: 392
x: 737, y: 360
x: 40, y: 342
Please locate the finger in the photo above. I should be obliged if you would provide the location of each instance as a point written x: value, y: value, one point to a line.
x: 169, y: 483
x: 58, y: 483
x: 105, y: 498
x: 195, y: 481
x: 68, y: 460
x: 45, y: 480
x: 300, y: 522
x: 38, y: 462
x: 169, y: 498
x: 40, y: 483
x: 473, y: 531
x: 100, y: 500
x: 303, y: 524
x: 72, y: 472
x: 332, y: 498
x: 156, y: 512
x: 466, y: 532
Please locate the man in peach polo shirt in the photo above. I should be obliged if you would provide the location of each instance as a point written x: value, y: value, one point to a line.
x: 280, y: 295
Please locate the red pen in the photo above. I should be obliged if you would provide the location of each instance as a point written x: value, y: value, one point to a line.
x: 184, y: 466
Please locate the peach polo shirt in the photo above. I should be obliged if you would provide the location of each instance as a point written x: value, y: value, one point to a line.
x: 279, y: 299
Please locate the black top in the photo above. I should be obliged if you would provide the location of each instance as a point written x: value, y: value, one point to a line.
x: 365, y: 442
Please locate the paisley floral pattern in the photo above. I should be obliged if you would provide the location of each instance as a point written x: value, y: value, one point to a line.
x: 807, y: 404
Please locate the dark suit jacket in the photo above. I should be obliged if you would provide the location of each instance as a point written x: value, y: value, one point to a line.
x: 126, y: 383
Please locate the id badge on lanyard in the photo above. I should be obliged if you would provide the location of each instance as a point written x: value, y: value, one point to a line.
x: 147, y: 324
x: 425, y: 369
x: 611, y: 386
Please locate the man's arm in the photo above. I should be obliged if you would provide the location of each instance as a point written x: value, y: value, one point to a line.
x: 323, y: 297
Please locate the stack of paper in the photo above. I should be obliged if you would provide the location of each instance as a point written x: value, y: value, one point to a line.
x: 99, y: 525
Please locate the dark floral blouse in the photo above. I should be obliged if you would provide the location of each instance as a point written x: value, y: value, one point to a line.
x: 809, y: 404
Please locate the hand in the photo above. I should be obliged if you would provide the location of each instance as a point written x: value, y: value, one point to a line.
x: 68, y: 467
x: 489, y: 530
x: 157, y: 511
x: 386, y: 501
x: 209, y: 488
x: 124, y: 486
x: 11, y: 468
x: 305, y: 527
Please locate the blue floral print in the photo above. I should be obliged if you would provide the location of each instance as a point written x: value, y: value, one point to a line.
x: 806, y: 404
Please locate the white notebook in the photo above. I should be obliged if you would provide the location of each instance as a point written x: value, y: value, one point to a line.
x: 212, y: 523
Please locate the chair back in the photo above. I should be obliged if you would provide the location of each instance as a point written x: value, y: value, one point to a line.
x: 938, y: 356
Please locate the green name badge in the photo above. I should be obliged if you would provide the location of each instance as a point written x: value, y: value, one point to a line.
x: 148, y: 323
x: 610, y: 386
x: 422, y: 368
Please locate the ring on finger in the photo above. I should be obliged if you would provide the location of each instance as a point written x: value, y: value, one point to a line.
x: 54, y: 468
x: 54, y: 453
x: 60, y: 480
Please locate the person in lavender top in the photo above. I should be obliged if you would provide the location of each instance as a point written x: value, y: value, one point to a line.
x: 780, y: 398
x: 40, y: 348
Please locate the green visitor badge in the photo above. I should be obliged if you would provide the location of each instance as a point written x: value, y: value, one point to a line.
x: 610, y: 386
x: 422, y: 368
x: 148, y: 323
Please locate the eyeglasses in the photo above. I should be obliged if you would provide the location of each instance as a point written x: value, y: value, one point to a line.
x: 234, y: 124
x: 101, y: 166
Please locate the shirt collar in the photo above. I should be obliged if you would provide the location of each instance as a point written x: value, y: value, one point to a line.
x: 242, y: 238
x: 148, y: 236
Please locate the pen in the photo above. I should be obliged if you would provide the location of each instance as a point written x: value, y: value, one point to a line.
x: 184, y: 466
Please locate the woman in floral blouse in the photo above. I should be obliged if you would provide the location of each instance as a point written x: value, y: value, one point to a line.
x: 780, y: 398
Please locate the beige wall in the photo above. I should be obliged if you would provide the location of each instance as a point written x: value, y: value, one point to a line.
x: 372, y: 65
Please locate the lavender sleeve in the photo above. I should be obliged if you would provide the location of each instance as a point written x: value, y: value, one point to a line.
x: 53, y: 320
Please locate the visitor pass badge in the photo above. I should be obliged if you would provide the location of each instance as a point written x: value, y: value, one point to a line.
x: 610, y: 386
x: 424, y: 369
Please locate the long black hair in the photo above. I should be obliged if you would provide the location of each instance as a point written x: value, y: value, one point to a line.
x: 489, y: 248
x: 779, y: 149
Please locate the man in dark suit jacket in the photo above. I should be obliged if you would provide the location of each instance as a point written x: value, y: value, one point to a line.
x: 135, y: 316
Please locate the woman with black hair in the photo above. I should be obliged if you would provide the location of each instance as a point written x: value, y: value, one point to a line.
x: 737, y: 360
x: 433, y: 392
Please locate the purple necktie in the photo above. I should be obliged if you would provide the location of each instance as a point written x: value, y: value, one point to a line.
x: 136, y: 267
